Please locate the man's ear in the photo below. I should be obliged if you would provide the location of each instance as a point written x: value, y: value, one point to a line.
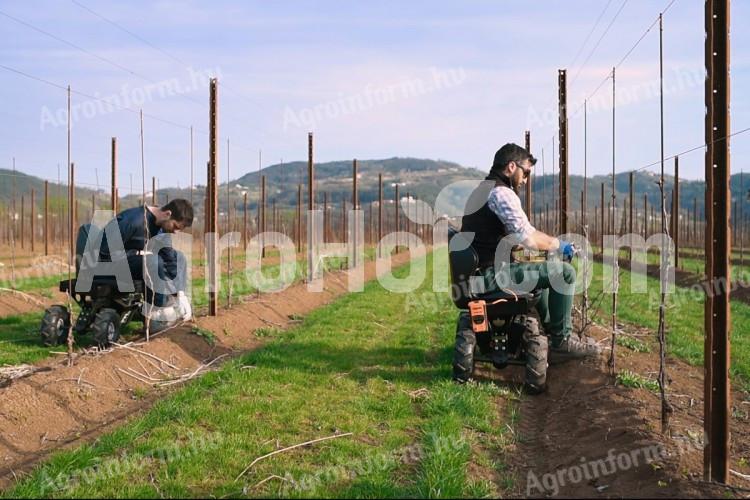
x: 168, y: 214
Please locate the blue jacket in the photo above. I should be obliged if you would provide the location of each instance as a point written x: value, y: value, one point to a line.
x: 134, y: 234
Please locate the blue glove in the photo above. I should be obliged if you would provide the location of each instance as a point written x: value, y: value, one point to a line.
x: 567, y: 250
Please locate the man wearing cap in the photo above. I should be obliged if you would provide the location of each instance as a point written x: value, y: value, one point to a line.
x: 494, y: 212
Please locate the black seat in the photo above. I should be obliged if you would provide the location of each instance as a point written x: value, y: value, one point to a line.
x: 464, y: 265
x: 103, y: 286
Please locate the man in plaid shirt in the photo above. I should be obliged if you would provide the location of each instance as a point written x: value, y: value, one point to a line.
x: 500, y: 215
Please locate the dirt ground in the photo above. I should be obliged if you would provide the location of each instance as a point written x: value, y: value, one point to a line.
x: 71, y: 405
x: 687, y: 279
x: 32, y: 266
x: 13, y: 302
x: 584, y: 417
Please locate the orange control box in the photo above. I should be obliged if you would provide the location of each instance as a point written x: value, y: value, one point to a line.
x: 478, y: 313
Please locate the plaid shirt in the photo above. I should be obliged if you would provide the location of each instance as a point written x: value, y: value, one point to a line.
x: 506, y: 204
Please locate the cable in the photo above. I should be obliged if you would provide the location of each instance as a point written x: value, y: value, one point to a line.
x: 134, y: 35
x: 71, y: 44
x: 696, y: 148
x: 622, y: 60
x: 90, y: 53
x: 54, y: 181
x: 669, y: 5
x: 112, y: 104
x: 108, y: 61
x: 681, y: 153
x: 637, y: 43
x: 591, y: 53
x: 596, y: 24
x: 156, y: 48
x: 612, y: 22
x: 98, y: 99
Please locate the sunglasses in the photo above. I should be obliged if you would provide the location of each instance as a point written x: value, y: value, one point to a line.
x: 526, y: 171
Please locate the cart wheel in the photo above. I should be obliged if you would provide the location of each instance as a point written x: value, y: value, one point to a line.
x: 55, y: 326
x: 535, y: 345
x: 463, y: 354
x: 106, y: 327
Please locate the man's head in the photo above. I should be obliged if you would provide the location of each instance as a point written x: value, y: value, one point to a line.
x: 514, y: 162
x: 175, y: 216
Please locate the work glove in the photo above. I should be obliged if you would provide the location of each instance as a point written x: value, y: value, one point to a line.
x: 183, y: 306
x: 567, y: 251
x: 176, y: 310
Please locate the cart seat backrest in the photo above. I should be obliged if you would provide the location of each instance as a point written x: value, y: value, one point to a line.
x: 463, y: 261
x: 83, y: 235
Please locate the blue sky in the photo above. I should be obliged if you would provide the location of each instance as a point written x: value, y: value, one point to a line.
x: 287, y: 68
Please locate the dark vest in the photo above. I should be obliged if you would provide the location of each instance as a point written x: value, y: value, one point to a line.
x: 487, y: 228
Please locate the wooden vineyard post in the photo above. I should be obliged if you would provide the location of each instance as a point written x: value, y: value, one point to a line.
x: 262, y: 211
x: 563, y: 150
x: 343, y: 219
x: 299, y: 218
x: 615, y: 256
x: 46, y: 217
x: 676, y: 211
x: 71, y: 212
x: 631, y: 203
x: 114, y: 175
x: 371, y: 226
x: 23, y: 222
x: 244, y: 220
x: 645, y: 217
x: 407, y: 222
x: 529, y: 191
x: 396, y: 214
x: 380, y: 213
x: 310, y: 207
x: 355, y: 207
x: 326, y: 220
x: 33, y: 219
x: 717, y: 395
x: 212, y: 196
x: 602, y: 229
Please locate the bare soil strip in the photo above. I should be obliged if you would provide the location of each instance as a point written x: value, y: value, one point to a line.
x: 68, y: 406
x: 12, y: 304
x: 687, y: 279
x: 585, y: 414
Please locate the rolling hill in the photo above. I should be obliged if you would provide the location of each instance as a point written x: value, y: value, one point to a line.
x: 419, y: 177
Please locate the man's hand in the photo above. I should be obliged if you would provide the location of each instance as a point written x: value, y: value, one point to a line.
x: 541, y: 242
x: 183, y: 306
x: 567, y: 250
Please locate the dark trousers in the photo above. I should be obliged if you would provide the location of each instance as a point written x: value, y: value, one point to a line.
x: 169, y: 267
x: 556, y: 303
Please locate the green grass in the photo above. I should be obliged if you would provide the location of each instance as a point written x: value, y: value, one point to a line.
x: 242, y: 287
x: 697, y: 265
x: 35, y: 283
x: 206, y: 335
x: 20, y: 341
x: 693, y: 264
x: 636, y: 381
x: 376, y: 364
x: 43, y: 284
x: 632, y: 343
x: 267, y: 331
x: 684, y: 319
